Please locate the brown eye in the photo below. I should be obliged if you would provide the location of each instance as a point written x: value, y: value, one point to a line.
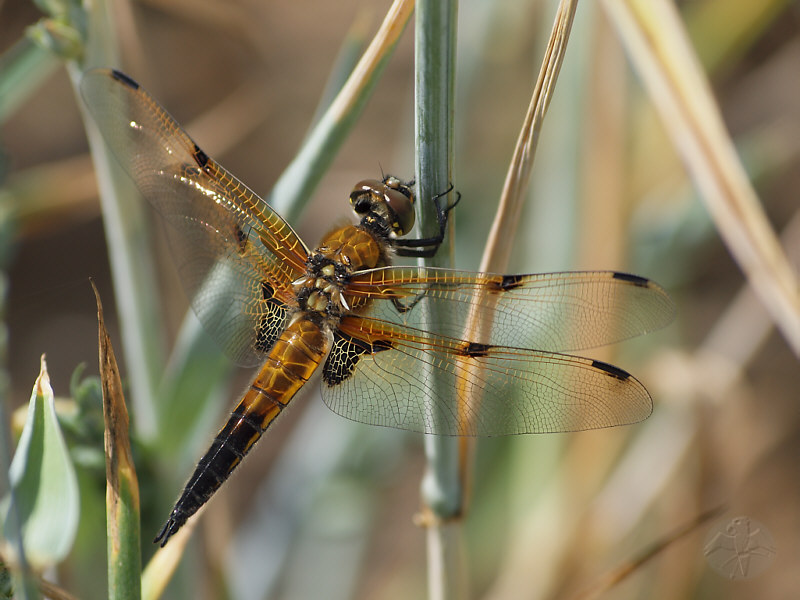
x: 364, y: 194
x: 401, y: 207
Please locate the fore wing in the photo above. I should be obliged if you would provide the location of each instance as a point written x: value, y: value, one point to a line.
x: 236, y: 256
x: 550, y: 312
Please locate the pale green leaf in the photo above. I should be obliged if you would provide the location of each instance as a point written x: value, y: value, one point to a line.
x: 44, y: 482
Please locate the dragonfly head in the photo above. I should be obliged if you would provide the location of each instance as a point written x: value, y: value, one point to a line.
x: 389, y: 201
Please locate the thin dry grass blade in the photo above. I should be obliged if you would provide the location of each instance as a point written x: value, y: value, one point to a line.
x: 623, y: 571
x: 54, y: 592
x: 657, y: 44
x: 159, y: 570
x: 498, y: 247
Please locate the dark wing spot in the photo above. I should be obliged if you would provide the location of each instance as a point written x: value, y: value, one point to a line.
x: 511, y: 281
x: 474, y: 349
x: 345, y: 354
x: 273, y: 321
x: 122, y: 78
x: 611, y: 370
x: 634, y: 279
x: 270, y: 328
x: 380, y: 346
x: 200, y: 156
x: 241, y: 239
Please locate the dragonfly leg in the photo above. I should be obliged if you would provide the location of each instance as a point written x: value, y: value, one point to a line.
x: 404, y: 308
x: 427, y: 247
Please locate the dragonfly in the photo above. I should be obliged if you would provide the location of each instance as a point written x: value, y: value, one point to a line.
x: 390, y: 341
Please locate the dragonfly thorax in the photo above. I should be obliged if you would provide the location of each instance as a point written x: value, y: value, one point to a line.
x: 342, y: 252
x: 320, y: 289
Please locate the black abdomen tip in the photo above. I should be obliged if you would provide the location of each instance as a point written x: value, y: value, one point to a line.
x: 173, y: 524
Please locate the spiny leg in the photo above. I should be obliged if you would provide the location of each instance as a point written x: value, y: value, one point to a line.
x: 427, y: 247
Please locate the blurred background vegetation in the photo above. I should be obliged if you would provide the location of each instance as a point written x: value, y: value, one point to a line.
x: 324, y: 507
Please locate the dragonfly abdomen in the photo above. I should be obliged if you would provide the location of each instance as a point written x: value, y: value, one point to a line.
x: 292, y: 360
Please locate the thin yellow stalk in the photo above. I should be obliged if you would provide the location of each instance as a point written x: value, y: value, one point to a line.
x: 626, y: 569
x: 159, y: 571
x: 659, y: 48
x: 498, y: 246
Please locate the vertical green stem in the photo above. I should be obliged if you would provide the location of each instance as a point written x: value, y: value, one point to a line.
x: 442, y: 489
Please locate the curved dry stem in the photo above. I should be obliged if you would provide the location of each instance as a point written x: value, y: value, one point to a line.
x: 498, y: 247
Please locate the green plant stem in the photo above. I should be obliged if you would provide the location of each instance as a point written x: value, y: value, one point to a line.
x: 442, y: 489
x: 23, y: 68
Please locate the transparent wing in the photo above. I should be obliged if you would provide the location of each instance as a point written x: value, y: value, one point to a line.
x: 552, y: 312
x: 382, y: 373
x: 236, y: 256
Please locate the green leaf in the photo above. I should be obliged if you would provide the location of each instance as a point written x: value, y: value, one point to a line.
x: 59, y: 37
x: 43, y: 482
x: 122, y: 486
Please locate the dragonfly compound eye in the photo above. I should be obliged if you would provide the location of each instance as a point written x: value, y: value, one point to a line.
x: 365, y: 194
x: 400, y: 203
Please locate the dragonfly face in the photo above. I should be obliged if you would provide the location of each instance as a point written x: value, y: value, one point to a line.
x: 390, y: 341
x: 384, y: 203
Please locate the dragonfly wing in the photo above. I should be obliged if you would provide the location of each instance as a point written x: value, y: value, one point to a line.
x: 236, y: 256
x: 553, y: 312
x: 382, y: 373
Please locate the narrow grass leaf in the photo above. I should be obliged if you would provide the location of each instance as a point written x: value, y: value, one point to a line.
x: 161, y: 567
x: 122, y: 486
x: 498, y: 247
x: 127, y: 235
x: 629, y: 567
x: 23, y: 68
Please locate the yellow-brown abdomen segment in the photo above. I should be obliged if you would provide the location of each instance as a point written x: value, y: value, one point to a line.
x: 291, y: 362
